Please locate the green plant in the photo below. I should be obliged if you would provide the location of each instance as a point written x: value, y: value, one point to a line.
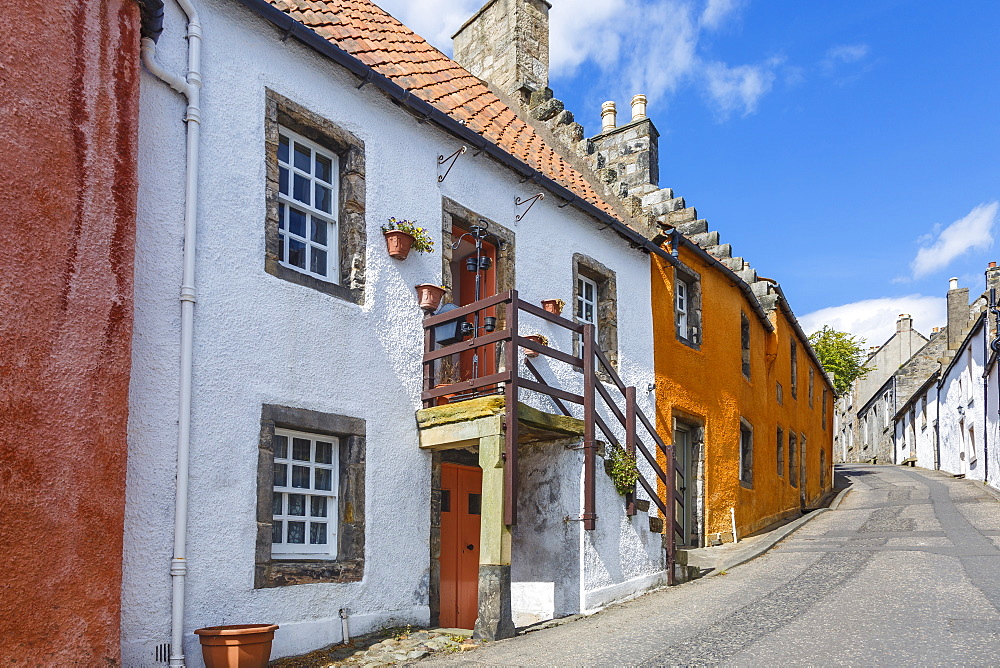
x: 422, y: 242
x: 623, y: 471
x: 842, y: 355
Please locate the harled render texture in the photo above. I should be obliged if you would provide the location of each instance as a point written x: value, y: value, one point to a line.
x: 68, y: 97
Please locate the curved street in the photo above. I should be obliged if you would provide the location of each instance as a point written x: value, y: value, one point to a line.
x: 905, y: 571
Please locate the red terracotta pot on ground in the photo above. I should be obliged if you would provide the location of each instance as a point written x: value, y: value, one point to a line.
x: 398, y: 243
x: 553, y: 305
x: 429, y: 296
x: 237, y: 646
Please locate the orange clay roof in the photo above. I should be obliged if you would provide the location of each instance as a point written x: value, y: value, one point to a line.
x: 378, y: 40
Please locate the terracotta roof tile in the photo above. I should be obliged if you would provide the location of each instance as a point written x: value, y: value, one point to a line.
x: 380, y: 41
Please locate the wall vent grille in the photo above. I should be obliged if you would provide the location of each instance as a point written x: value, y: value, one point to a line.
x: 162, y: 652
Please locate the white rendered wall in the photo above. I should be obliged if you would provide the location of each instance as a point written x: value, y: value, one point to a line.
x: 261, y: 340
x: 991, y: 409
x: 961, y: 397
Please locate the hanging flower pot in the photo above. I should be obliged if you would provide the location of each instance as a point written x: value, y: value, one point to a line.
x: 429, y: 296
x: 398, y: 243
x: 402, y: 235
x: 237, y: 646
x: 553, y: 305
x: 537, y: 338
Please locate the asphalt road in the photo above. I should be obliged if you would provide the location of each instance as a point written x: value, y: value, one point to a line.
x: 906, y: 571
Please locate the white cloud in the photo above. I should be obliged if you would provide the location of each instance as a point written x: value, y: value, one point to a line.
x: 739, y: 88
x: 846, y: 53
x: 717, y: 11
x: 640, y: 46
x: 973, y: 232
x: 875, y: 319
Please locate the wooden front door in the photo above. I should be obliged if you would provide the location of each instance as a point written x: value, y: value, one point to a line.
x: 685, y: 456
x: 461, y: 502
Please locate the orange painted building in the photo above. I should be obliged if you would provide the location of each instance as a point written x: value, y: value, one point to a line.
x: 751, y: 437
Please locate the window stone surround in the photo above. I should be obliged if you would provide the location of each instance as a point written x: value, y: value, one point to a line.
x: 280, y: 111
x: 693, y: 280
x: 276, y: 571
x: 607, y: 308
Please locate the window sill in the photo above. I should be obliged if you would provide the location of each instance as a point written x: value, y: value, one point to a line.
x: 746, y: 485
x: 689, y: 343
x: 282, y: 572
x: 352, y: 295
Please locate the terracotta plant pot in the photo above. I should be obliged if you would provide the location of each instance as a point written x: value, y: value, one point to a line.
x: 429, y: 296
x: 553, y: 305
x: 398, y: 243
x: 537, y: 338
x: 237, y: 646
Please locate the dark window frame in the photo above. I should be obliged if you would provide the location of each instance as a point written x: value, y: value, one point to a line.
x: 746, y: 454
x: 745, y: 335
x: 794, y: 360
x: 694, y: 334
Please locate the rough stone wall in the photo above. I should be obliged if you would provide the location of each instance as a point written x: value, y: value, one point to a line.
x: 507, y: 43
x: 958, y: 316
x: 70, y: 92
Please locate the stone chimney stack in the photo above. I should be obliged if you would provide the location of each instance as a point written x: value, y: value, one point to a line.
x: 506, y: 43
x: 905, y: 323
x: 992, y: 282
x: 626, y: 157
x: 958, y: 313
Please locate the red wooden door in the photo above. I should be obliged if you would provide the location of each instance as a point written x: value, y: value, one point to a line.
x: 466, y: 294
x: 461, y: 501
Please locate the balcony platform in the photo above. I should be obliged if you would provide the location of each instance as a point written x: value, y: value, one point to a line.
x: 463, y: 423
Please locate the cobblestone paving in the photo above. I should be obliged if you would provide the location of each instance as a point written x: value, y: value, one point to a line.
x: 904, y: 572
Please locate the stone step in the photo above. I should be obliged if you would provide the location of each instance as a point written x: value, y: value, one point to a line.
x: 720, y: 251
x: 705, y: 239
x: 694, y: 227
x: 733, y: 263
x: 749, y: 275
x: 682, y: 214
x: 652, y: 194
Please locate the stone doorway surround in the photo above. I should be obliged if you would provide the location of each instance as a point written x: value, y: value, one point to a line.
x: 474, y: 428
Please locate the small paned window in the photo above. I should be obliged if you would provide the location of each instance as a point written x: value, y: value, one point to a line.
x: 308, y: 176
x: 745, y: 343
x: 822, y: 469
x: 780, y: 440
x: 812, y: 380
x: 746, y: 453
x: 793, y: 467
x: 886, y: 408
x: 586, y: 300
x: 779, y: 394
x: 826, y: 398
x: 682, y: 291
x: 304, y: 502
x: 923, y: 412
x: 795, y: 370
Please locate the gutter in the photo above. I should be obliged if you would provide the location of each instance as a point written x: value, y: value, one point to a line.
x: 428, y: 112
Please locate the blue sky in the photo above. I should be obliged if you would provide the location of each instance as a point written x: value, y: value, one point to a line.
x: 848, y: 150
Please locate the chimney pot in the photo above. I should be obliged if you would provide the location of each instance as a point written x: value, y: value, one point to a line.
x: 953, y: 284
x: 609, y: 114
x: 638, y: 107
x: 993, y: 265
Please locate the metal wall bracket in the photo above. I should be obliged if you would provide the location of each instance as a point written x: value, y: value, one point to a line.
x: 530, y: 202
x: 453, y: 158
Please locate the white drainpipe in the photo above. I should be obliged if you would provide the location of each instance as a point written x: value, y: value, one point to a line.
x: 190, y: 87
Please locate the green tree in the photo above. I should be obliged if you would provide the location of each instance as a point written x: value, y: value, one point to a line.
x: 842, y: 355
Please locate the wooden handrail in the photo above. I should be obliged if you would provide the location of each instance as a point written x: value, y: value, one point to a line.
x: 448, y: 316
x: 467, y: 385
x: 525, y: 342
x: 551, y: 317
x: 462, y: 346
x: 545, y: 388
x: 534, y: 372
x: 612, y: 374
x: 601, y: 390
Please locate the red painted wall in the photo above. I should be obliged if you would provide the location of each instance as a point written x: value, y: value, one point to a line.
x: 69, y: 102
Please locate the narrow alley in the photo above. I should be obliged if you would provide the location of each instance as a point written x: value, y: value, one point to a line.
x: 905, y: 571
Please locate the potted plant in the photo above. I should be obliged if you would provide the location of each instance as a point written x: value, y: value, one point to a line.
x: 553, y: 305
x: 537, y: 338
x: 403, y: 235
x: 429, y: 296
x: 237, y: 646
x: 621, y: 466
